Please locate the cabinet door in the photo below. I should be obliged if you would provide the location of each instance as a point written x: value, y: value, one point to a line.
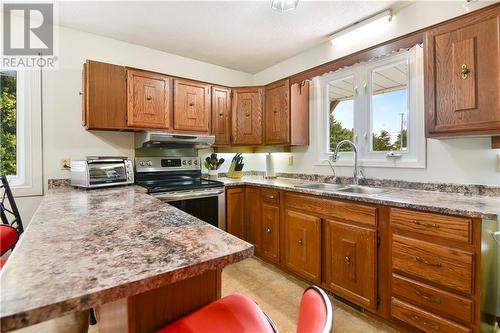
x: 277, y: 123
x: 350, y: 262
x: 299, y: 114
x: 148, y: 99
x: 463, y: 77
x: 247, y: 116
x: 235, y: 212
x: 303, y: 245
x: 191, y: 106
x: 104, y: 96
x: 221, y: 115
x: 270, y: 232
x: 254, y: 218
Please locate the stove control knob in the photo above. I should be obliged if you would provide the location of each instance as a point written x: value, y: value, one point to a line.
x: 142, y: 163
x: 184, y: 162
x: 149, y: 163
x: 195, y: 162
x: 190, y: 162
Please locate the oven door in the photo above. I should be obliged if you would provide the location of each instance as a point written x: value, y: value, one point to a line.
x: 106, y: 173
x: 208, y: 205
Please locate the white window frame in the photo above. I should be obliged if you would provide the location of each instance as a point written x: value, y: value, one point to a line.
x: 415, y: 157
x: 28, y: 179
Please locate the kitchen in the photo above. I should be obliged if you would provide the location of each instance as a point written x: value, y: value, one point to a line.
x: 424, y: 183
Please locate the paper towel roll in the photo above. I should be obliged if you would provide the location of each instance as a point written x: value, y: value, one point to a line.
x: 270, y: 166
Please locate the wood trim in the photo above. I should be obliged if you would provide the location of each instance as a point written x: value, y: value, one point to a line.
x: 408, y: 40
x: 495, y: 142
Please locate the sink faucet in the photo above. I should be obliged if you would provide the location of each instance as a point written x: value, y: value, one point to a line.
x: 357, y: 175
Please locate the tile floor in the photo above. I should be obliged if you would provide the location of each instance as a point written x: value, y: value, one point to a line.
x: 277, y: 293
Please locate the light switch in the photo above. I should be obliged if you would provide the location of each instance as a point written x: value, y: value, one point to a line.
x: 290, y: 160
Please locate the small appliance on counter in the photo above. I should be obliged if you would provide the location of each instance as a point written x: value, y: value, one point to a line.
x: 102, y: 171
x: 236, y: 168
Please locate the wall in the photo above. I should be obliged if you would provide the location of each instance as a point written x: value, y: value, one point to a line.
x: 63, y: 134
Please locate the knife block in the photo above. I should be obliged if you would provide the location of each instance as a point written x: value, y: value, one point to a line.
x: 234, y: 174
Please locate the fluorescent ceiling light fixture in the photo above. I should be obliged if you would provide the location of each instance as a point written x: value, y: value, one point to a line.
x: 284, y: 5
x: 363, y: 28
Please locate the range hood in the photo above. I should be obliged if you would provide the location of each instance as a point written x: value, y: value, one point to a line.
x: 169, y: 140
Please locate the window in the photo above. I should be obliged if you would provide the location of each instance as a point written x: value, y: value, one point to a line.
x: 20, y: 131
x: 379, y: 106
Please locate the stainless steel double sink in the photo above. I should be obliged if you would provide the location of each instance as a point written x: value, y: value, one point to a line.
x: 344, y: 188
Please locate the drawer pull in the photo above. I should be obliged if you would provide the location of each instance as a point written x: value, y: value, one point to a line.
x: 270, y: 197
x: 301, y: 242
x: 424, y: 224
x: 427, y: 262
x: 148, y: 98
x: 426, y: 324
x: 428, y: 298
x: 347, y: 260
x: 268, y: 230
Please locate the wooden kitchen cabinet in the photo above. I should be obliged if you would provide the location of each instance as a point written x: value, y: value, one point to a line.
x: 270, y: 232
x: 221, y: 115
x: 235, y: 212
x: 254, y: 218
x: 302, y: 245
x: 192, y: 106
x: 351, y: 262
x: 247, y: 116
x: 148, y: 99
x: 462, y: 76
x: 287, y: 113
x: 104, y: 96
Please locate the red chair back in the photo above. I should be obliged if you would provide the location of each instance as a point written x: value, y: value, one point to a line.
x: 316, y: 314
x: 8, y: 238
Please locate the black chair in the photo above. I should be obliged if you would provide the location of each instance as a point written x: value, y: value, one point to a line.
x: 10, y: 216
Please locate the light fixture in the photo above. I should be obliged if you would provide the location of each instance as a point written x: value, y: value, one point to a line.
x: 284, y: 5
x: 362, y: 28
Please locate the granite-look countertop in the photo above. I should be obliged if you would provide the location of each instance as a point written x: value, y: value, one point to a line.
x: 483, y: 207
x: 85, y: 248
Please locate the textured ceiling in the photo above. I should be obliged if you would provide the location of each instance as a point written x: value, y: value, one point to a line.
x: 244, y: 35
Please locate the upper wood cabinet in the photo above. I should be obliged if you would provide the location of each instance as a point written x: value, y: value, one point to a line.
x: 235, y: 212
x: 462, y: 76
x: 104, y: 96
x: 287, y: 113
x: 302, y: 245
x: 351, y: 262
x: 148, y: 99
x: 247, y: 116
x: 277, y: 119
x: 191, y: 106
x: 221, y: 115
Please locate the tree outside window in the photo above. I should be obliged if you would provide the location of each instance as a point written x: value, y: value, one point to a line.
x: 8, y: 123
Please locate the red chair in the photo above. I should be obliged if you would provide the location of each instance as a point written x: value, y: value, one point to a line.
x: 239, y: 314
x: 8, y: 238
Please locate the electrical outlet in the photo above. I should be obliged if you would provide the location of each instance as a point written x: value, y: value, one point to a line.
x: 290, y: 160
x: 498, y: 162
x: 65, y: 163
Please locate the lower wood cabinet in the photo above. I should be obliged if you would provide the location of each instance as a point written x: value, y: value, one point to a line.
x: 254, y: 218
x: 302, y: 245
x: 235, y: 212
x: 270, y: 232
x: 350, y: 262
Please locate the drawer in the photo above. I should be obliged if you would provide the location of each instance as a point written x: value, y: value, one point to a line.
x: 424, y: 320
x: 271, y: 196
x: 435, y: 225
x: 432, y: 299
x: 442, y: 265
x: 332, y: 208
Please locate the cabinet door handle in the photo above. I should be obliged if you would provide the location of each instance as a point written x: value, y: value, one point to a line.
x: 148, y: 98
x: 247, y: 114
x: 464, y: 72
x: 221, y: 114
x: 191, y: 104
x: 428, y: 298
x: 275, y: 111
x: 347, y: 260
x: 426, y: 324
x: 270, y: 196
x: 425, y: 224
x: 268, y: 230
x: 301, y: 242
x: 427, y: 262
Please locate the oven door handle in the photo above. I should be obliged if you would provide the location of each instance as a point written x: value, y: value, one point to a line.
x: 187, y: 196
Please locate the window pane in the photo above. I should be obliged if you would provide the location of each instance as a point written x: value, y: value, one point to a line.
x: 390, y: 108
x: 341, y: 110
x: 8, y: 115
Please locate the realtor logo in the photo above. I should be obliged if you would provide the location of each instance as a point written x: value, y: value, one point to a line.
x: 28, y: 29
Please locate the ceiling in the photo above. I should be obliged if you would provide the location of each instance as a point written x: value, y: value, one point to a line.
x: 243, y: 35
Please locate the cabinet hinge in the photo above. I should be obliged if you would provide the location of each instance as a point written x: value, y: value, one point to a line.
x: 231, y: 94
x: 378, y: 300
x: 378, y: 240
